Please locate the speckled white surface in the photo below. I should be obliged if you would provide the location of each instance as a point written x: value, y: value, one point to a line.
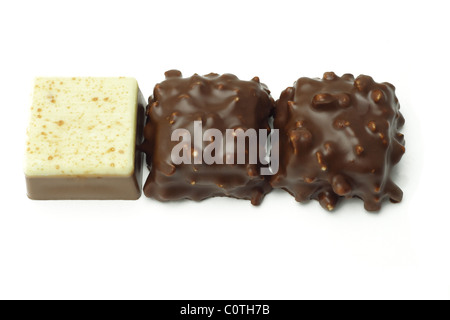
x: 82, y: 126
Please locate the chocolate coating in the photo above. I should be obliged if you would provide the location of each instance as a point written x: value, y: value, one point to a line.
x: 339, y: 138
x: 221, y: 102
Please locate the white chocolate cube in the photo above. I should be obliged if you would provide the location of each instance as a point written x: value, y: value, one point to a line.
x: 83, y: 129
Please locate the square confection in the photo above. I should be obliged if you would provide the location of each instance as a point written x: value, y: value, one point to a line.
x: 220, y: 102
x: 81, y: 139
x: 339, y: 138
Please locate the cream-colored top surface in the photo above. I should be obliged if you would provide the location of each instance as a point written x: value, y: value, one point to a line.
x: 82, y: 126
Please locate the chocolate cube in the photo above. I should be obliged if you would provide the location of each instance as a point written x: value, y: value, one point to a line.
x: 194, y: 105
x: 82, y: 138
x: 339, y: 138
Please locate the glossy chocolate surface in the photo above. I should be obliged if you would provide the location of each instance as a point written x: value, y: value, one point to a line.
x: 339, y: 138
x: 221, y: 102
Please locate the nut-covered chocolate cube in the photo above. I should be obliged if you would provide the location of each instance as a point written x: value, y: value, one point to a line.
x: 218, y: 102
x: 339, y: 138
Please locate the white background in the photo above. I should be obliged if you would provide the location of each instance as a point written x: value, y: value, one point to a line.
x: 224, y: 248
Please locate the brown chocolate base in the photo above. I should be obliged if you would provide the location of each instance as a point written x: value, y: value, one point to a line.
x: 85, y: 188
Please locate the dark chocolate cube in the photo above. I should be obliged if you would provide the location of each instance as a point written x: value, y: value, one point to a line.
x: 339, y: 138
x: 219, y: 102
